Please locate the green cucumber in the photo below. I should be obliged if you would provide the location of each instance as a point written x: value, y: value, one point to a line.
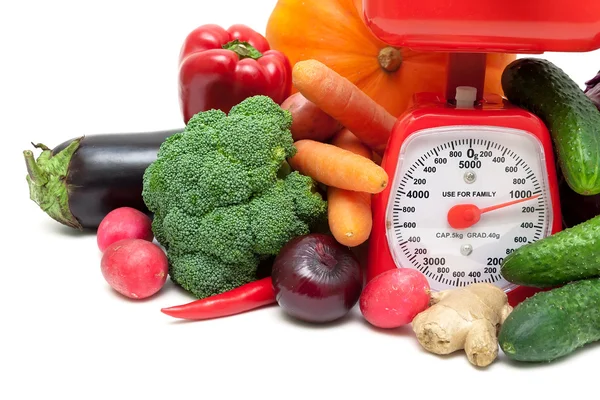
x: 569, y: 255
x: 553, y: 324
x: 573, y: 120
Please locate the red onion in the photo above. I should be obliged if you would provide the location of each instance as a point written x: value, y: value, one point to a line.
x: 316, y: 279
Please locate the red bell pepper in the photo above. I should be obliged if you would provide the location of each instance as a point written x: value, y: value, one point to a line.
x: 220, y: 68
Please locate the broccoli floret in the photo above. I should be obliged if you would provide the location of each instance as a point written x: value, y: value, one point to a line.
x: 223, y: 196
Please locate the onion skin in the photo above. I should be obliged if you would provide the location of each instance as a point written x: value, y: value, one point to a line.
x: 316, y: 279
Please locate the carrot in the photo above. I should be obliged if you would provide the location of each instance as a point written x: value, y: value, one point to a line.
x: 337, y: 167
x: 345, y: 102
x: 347, y: 140
x: 349, y: 216
x: 349, y: 213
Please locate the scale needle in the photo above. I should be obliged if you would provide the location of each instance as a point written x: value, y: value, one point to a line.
x: 463, y: 216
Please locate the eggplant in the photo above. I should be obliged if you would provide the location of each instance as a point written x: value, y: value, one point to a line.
x: 576, y: 208
x: 82, y: 179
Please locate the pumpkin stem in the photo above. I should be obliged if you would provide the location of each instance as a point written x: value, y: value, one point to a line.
x: 390, y: 59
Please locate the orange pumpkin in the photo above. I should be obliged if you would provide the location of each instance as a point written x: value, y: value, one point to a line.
x: 332, y: 32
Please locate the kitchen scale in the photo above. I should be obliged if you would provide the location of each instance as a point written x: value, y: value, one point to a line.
x: 472, y: 177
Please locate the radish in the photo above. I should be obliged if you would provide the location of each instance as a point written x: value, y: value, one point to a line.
x: 123, y: 223
x: 135, y: 268
x: 393, y: 298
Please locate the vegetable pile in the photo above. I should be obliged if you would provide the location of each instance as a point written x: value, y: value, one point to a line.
x: 264, y: 196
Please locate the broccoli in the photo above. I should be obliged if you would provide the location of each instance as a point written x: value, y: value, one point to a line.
x: 224, y: 198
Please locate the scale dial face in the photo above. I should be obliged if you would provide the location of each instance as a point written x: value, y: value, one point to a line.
x: 499, y: 171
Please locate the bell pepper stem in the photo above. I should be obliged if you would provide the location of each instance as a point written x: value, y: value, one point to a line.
x: 243, y: 49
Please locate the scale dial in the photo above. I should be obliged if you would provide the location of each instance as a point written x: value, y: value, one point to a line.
x: 499, y: 171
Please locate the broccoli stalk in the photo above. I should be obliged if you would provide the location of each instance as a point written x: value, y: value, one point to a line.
x: 224, y: 198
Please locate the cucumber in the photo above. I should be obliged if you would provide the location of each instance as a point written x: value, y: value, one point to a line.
x: 573, y: 120
x: 569, y: 255
x: 553, y: 324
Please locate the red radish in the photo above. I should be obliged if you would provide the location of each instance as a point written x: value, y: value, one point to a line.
x: 308, y: 120
x: 124, y: 223
x: 393, y: 298
x: 135, y: 268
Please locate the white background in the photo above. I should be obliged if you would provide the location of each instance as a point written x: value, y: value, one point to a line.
x: 73, y: 68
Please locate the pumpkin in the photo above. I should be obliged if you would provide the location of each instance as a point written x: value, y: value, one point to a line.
x: 332, y: 31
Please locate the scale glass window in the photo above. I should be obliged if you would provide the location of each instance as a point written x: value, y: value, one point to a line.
x: 441, y: 167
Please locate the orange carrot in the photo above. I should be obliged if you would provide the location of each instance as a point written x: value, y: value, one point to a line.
x: 349, y: 213
x: 345, y: 102
x: 347, y: 140
x: 337, y: 167
x: 349, y: 216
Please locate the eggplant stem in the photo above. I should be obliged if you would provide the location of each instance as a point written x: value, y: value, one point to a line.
x: 40, y: 146
x: 47, y: 182
x: 33, y: 169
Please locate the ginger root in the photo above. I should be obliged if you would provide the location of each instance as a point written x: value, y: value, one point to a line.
x: 468, y: 318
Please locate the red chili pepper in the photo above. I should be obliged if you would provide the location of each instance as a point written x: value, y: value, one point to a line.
x: 220, y: 68
x: 244, y: 298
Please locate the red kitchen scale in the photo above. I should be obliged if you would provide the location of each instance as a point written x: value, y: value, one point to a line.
x: 472, y: 177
